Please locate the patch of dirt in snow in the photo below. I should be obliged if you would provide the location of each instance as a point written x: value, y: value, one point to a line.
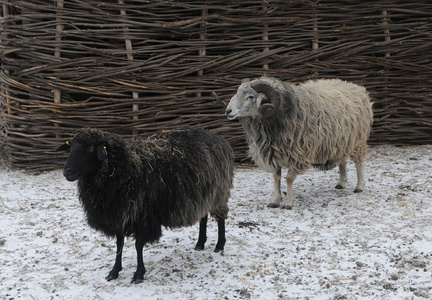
x: 334, y: 244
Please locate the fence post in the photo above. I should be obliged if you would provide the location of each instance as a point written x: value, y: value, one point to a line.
x: 202, y: 51
x: 265, y: 36
x: 386, y: 29
x: 129, y: 54
x: 57, y: 52
x: 57, y: 49
x: 315, y: 43
x: 5, y: 38
x: 387, y: 39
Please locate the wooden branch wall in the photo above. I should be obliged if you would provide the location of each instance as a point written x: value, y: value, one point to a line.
x: 134, y: 67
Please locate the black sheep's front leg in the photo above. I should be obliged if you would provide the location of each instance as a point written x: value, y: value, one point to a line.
x: 202, y: 238
x: 221, y: 235
x: 118, y: 261
x: 140, y: 271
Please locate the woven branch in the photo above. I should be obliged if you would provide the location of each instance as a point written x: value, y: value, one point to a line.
x: 134, y: 67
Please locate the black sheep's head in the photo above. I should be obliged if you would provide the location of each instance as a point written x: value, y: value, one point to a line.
x: 87, y: 152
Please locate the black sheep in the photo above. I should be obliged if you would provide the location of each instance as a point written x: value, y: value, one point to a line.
x: 133, y: 187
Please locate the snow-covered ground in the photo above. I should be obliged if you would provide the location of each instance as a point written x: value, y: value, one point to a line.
x: 334, y: 244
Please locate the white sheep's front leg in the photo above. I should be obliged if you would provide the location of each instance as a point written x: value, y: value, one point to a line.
x: 288, y: 202
x: 277, y: 195
x: 342, y: 176
x: 360, y: 176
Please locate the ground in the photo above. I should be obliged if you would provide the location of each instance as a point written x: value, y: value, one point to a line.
x: 334, y: 244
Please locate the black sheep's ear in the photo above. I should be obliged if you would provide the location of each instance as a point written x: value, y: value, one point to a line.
x: 65, y: 146
x: 102, y: 152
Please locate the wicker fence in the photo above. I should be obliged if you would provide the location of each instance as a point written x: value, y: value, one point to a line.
x: 134, y: 67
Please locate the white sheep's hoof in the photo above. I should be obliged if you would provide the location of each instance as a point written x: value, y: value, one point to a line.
x: 339, y: 186
x: 273, y: 205
x: 358, y: 190
x: 286, y: 206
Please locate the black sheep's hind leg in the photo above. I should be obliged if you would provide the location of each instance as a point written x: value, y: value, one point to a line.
x: 113, y: 274
x: 221, y: 235
x: 202, y: 238
x: 138, y: 276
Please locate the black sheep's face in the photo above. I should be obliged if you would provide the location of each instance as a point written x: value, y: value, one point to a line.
x: 85, y: 158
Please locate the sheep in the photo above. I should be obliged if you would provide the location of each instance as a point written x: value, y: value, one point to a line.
x: 133, y: 187
x: 319, y: 123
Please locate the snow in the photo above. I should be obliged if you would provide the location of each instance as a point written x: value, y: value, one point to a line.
x: 334, y: 244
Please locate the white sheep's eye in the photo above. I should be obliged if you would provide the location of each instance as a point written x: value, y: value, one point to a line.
x: 250, y: 97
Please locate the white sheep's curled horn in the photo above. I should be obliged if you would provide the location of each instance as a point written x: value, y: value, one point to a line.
x: 267, y: 109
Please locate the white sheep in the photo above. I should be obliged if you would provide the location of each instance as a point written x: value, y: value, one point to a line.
x: 319, y: 123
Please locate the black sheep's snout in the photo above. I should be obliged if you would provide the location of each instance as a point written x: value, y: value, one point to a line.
x: 70, y: 174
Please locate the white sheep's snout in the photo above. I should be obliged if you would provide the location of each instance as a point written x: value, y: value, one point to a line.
x: 234, y: 109
x: 230, y: 114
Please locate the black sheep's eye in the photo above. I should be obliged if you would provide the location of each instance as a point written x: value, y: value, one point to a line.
x: 91, y: 149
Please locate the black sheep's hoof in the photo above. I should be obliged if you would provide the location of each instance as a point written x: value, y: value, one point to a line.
x: 137, y: 278
x: 111, y: 277
x: 273, y: 205
x: 218, y: 250
x: 199, y: 246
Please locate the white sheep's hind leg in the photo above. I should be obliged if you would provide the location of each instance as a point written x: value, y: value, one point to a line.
x: 288, y: 202
x: 277, y: 195
x: 360, y: 176
x: 342, y: 176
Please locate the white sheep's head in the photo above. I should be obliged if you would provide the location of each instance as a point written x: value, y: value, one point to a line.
x: 256, y: 98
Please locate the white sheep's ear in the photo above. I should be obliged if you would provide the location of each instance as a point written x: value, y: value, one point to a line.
x: 102, y: 152
x: 261, y: 98
x: 267, y: 109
